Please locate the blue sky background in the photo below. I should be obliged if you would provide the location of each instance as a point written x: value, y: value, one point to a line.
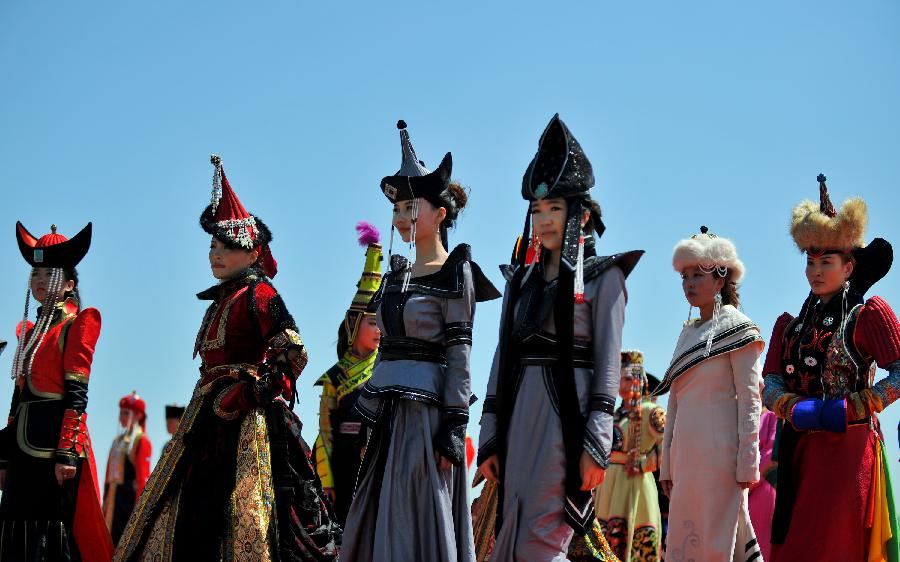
x: 716, y: 113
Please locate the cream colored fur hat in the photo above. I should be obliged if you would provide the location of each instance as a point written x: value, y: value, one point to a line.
x: 816, y: 226
x: 709, y: 252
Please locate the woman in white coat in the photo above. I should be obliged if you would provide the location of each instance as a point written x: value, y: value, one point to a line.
x: 710, y: 446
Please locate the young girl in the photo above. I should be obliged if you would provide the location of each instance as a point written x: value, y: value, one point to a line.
x: 47, y: 470
x: 710, y: 447
x: 411, y: 501
x: 128, y: 467
x: 546, y: 428
x: 338, y: 449
x: 236, y: 482
x: 627, y: 502
x: 834, y: 500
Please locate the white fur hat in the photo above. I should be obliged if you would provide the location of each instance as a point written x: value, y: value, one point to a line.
x: 709, y: 252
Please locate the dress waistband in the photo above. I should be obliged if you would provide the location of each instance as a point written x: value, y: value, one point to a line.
x: 396, y: 348
x: 210, y: 375
x: 545, y: 352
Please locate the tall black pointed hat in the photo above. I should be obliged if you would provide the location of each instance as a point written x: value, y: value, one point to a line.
x: 413, y: 179
x: 53, y: 250
x: 560, y: 167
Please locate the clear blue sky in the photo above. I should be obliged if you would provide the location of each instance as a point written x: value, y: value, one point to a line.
x: 716, y: 113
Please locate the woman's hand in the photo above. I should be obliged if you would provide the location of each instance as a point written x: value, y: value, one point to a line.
x: 666, y: 486
x: 64, y: 472
x: 591, y: 473
x: 490, y: 468
x: 442, y: 462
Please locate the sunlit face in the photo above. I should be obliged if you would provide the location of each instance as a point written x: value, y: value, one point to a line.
x: 700, y: 288
x: 427, y: 224
x: 548, y: 221
x: 826, y: 273
x: 367, y: 337
x: 228, y: 263
x: 40, y: 283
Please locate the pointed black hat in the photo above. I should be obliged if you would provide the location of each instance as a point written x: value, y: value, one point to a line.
x: 559, y: 168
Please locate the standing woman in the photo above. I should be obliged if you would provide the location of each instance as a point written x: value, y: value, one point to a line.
x: 819, y: 377
x: 627, y: 502
x: 411, y: 500
x: 710, y: 446
x: 128, y: 467
x: 236, y: 482
x: 547, y: 424
x: 338, y: 449
x: 51, y: 499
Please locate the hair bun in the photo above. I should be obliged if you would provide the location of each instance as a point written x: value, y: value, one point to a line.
x: 458, y: 192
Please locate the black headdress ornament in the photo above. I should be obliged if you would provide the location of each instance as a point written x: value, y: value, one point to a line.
x: 53, y: 250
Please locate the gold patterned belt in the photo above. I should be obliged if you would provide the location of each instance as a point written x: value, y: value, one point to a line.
x: 212, y: 375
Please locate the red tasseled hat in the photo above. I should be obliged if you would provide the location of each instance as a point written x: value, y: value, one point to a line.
x: 228, y: 220
x: 136, y: 404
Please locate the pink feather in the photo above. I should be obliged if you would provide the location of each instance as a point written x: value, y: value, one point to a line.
x: 368, y: 234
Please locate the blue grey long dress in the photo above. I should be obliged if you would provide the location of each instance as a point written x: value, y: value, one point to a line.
x: 417, y: 402
x: 537, y: 517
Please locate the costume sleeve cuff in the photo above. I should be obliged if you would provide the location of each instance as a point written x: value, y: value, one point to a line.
x: 806, y: 415
x: 596, y: 451
x: 834, y: 415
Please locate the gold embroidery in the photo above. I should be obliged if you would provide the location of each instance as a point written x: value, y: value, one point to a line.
x: 217, y: 404
x: 225, y: 307
x: 159, y: 544
x: 77, y: 377
x: 252, y: 502
x: 231, y: 371
x: 22, y: 436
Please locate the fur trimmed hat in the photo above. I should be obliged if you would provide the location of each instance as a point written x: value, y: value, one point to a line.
x: 817, y: 227
x: 710, y: 253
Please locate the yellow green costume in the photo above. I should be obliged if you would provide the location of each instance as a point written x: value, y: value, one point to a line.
x: 342, y: 438
x: 627, y: 504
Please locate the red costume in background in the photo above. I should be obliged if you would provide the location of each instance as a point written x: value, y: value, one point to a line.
x: 128, y: 467
x: 40, y: 519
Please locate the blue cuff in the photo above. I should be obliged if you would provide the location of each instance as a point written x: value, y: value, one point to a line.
x: 806, y: 415
x: 834, y: 415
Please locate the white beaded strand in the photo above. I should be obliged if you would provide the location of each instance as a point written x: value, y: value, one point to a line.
x: 20, y: 341
x: 407, y: 276
x: 41, y: 326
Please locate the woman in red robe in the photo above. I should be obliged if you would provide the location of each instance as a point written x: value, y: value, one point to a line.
x: 128, y: 467
x: 51, y: 502
x: 834, y: 501
x: 236, y: 482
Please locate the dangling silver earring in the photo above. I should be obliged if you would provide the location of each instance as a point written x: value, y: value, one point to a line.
x: 717, y: 310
